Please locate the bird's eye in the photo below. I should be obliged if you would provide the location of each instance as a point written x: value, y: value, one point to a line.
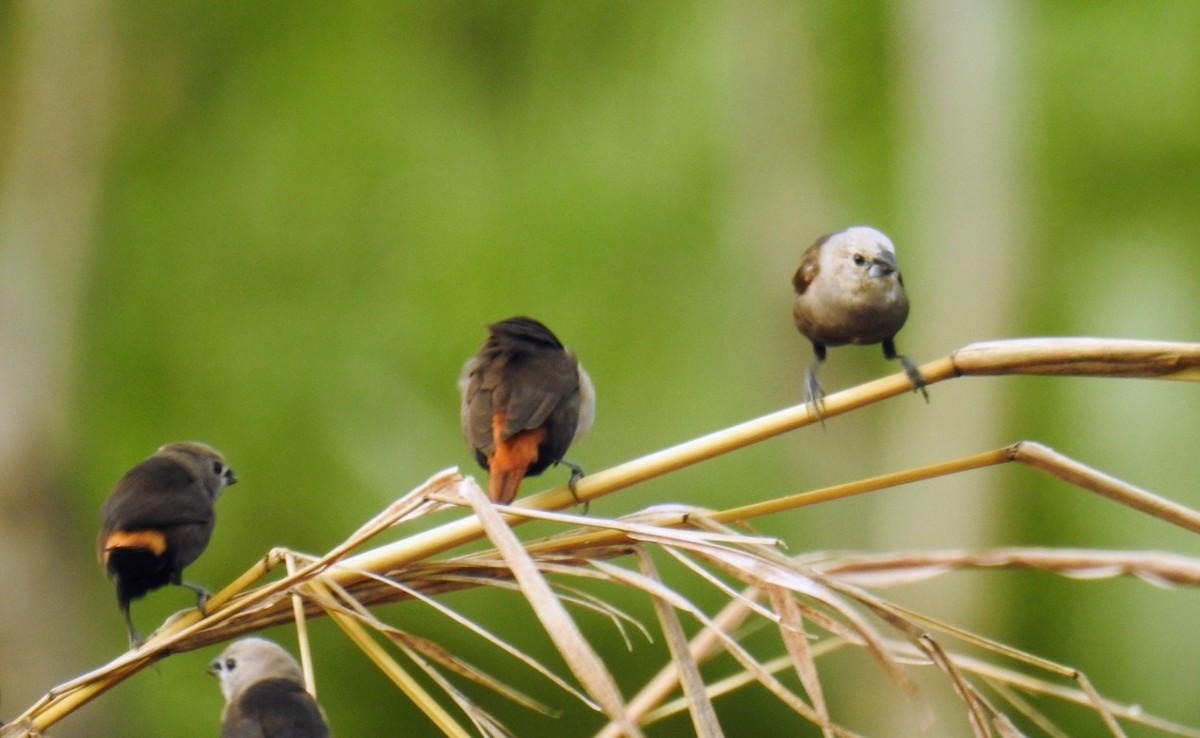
x: 229, y: 664
x: 218, y: 468
x: 859, y: 259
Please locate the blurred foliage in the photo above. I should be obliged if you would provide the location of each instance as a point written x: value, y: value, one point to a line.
x: 309, y: 214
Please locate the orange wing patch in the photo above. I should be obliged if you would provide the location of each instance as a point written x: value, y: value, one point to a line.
x: 149, y: 539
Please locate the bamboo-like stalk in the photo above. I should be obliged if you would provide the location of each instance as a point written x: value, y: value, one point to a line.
x: 1063, y: 356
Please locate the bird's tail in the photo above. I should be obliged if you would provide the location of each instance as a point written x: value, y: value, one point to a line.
x: 509, y: 463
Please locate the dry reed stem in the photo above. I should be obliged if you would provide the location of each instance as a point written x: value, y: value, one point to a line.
x: 578, y: 652
x: 235, y: 610
x: 385, y: 663
x: 704, y: 716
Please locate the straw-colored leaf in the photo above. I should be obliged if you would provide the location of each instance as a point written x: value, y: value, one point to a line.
x: 492, y: 638
x: 795, y: 640
x: 704, y: 717
x: 584, y: 662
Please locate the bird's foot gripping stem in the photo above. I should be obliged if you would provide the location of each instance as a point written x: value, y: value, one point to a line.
x: 814, y: 395
x: 914, y: 376
x: 576, y: 475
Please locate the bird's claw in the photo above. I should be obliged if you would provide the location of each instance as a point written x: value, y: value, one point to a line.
x: 914, y: 376
x: 576, y: 475
x: 814, y: 395
x: 202, y: 595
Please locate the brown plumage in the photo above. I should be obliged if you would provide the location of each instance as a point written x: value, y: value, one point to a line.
x: 264, y: 693
x: 525, y: 400
x: 849, y: 291
x: 157, y: 520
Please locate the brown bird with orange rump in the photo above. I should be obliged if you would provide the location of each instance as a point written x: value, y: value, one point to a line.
x: 157, y: 520
x: 525, y: 400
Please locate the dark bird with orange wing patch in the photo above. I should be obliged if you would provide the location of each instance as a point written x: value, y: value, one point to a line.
x: 525, y: 400
x: 157, y: 520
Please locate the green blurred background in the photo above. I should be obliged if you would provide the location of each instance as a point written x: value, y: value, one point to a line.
x: 281, y: 227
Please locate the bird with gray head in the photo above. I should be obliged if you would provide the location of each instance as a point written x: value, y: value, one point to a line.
x: 849, y: 291
x: 264, y: 693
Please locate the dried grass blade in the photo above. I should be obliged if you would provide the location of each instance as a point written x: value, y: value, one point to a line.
x: 306, y: 665
x: 633, y: 525
x: 620, y: 619
x: 480, y: 718
x: 385, y: 663
x: 1023, y: 706
x: 702, y: 645
x: 584, y: 600
x: 728, y: 642
x: 875, y: 570
x: 704, y: 716
x: 487, y: 635
x: 720, y: 585
x: 1099, y: 704
x: 465, y: 670
x: 965, y: 691
x: 427, y: 649
x: 795, y: 641
x: 583, y: 660
x: 913, y: 618
x: 1002, y: 675
x: 22, y: 728
x: 765, y: 568
x: 734, y: 682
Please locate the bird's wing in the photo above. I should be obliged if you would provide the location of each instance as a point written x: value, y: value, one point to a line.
x: 479, y: 386
x: 809, y: 266
x: 158, y: 493
x: 274, y: 708
x: 545, y: 383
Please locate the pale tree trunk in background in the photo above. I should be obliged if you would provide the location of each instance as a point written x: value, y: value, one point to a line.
x: 952, y: 73
x: 56, y: 121
x: 776, y: 193
x: 774, y: 198
x: 961, y: 111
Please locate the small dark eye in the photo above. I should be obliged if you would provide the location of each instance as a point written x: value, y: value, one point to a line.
x: 229, y: 664
x: 859, y: 259
x: 218, y: 468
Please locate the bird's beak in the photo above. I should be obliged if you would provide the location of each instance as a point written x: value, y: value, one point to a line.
x: 883, y: 264
x: 214, y: 668
x: 230, y: 477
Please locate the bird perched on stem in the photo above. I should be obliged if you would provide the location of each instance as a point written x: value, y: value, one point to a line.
x: 525, y: 400
x: 849, y: 290
x: 264, y: 693
x: 157, y: 520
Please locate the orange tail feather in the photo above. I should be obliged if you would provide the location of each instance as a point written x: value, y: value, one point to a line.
x: 507, y: 466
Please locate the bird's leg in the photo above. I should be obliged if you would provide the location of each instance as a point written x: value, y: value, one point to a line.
x: 814, y: 396
x: 914, y: 376
x: 135, y: 640
x: 202, y: 594
x: 576, y: 475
